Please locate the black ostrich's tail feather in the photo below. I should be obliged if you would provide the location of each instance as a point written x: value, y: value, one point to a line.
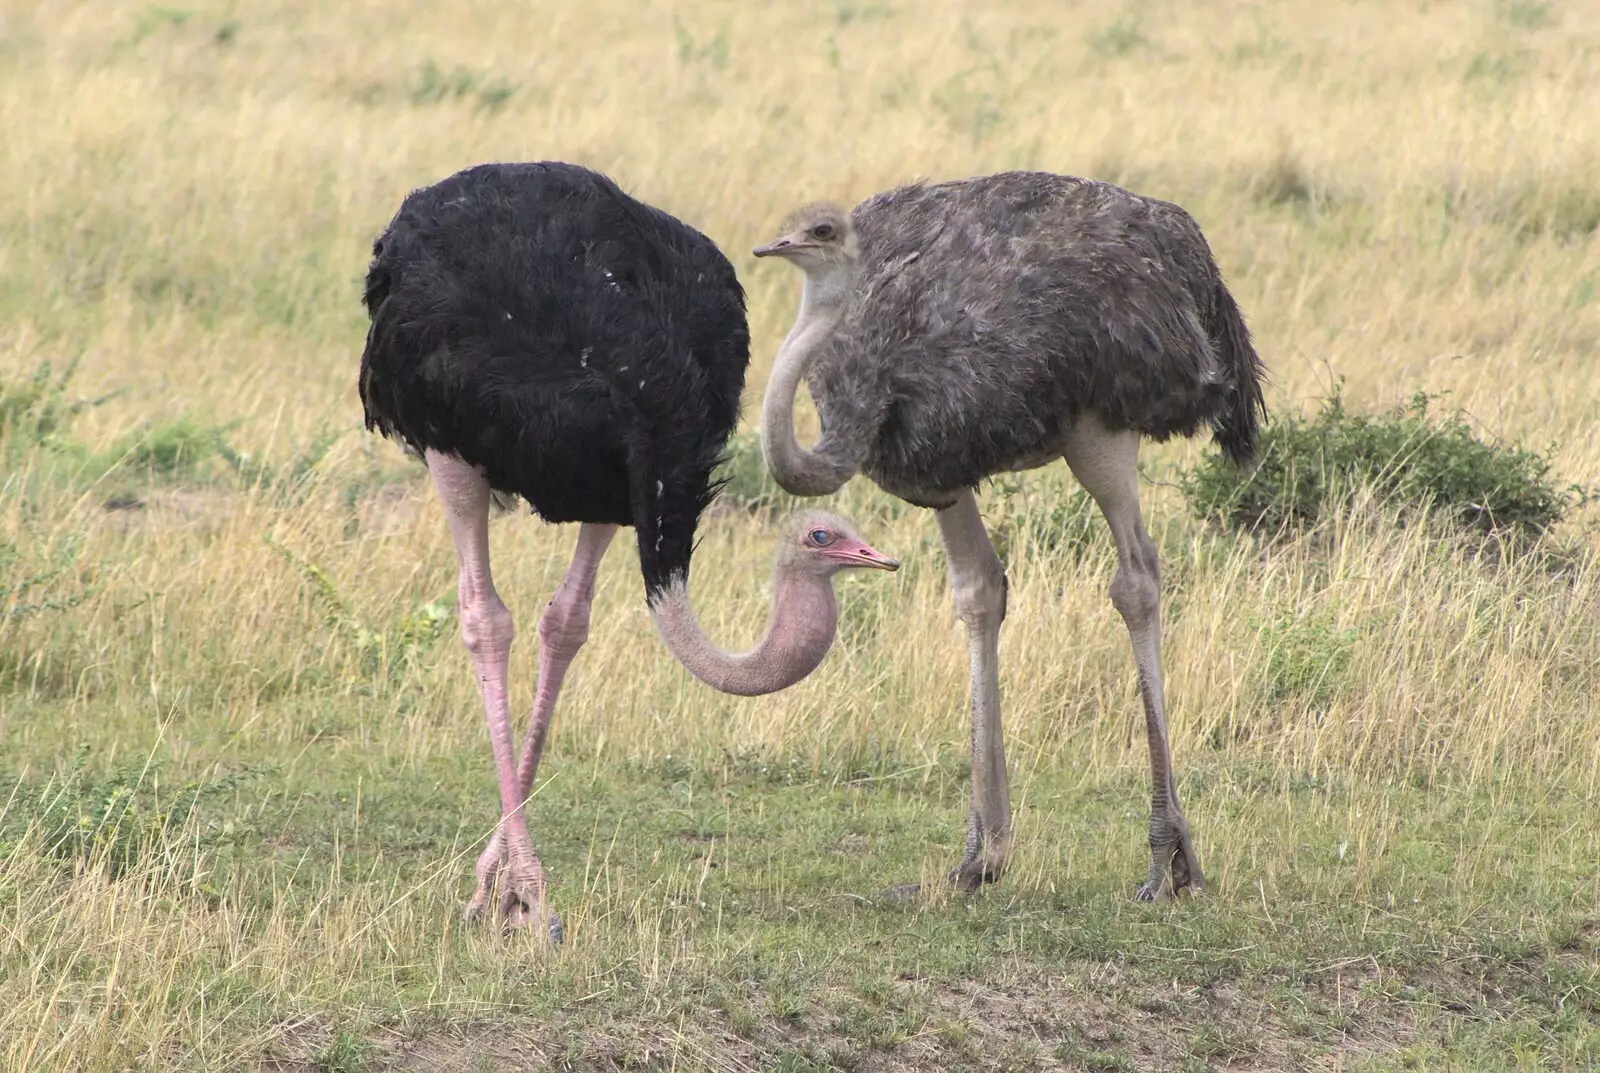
x: 670, y: 479
x: 666, y: 505
x: 1237, y: 428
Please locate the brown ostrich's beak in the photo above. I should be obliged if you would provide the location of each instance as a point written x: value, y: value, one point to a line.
x: 785, y: 245
x: 851, y: 552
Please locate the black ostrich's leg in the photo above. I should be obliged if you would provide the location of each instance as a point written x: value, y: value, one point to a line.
x: 488, y: 630
x: 562, y: 631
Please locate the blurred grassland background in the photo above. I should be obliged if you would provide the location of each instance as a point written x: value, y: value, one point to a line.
x: 243, y: 770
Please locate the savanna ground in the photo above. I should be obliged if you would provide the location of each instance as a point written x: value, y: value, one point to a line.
x: 243, y: 770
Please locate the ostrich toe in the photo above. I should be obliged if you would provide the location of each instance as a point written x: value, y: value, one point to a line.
x: 514, y: 883
x: 1174, y: 865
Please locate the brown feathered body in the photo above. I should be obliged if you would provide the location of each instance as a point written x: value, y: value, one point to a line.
x: 988, y: 313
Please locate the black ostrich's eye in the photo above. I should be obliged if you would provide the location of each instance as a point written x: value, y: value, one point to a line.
x: 820, y: 537
x: 822, y: 231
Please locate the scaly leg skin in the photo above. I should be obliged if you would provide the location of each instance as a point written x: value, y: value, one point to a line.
x: 1105, y: 463
x: 979, y: 582
x: 487, y: 630
x: 563, y: 629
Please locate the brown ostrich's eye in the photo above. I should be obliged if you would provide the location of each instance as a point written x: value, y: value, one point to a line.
x: 822, y: 231
x: 820, y: 537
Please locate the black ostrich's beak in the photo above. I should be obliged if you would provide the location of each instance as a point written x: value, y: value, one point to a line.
x: 861, y: 555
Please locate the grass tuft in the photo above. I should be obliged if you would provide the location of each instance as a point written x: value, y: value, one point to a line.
x: 346, y: 1053
x: 1284, y: 182
x: 433, y: 84
x: 1120, y: 37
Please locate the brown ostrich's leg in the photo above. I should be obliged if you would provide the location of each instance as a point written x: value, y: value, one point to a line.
x: 979, y: 583
x: 563, y: 629
x: 1105, y: 463
x: 487, y: 630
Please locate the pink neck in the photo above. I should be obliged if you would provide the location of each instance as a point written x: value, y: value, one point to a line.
x: 803, y: 619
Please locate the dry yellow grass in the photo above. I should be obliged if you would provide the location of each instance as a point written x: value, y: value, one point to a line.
x: 1401, y: 196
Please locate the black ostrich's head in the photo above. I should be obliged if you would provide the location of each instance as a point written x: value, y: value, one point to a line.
x: 817, y: 543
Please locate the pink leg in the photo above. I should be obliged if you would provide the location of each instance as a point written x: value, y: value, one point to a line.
x: 562, y: 631
x: 487, y: 629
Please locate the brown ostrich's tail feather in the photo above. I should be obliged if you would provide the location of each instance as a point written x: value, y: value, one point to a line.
x: 1237, y: 427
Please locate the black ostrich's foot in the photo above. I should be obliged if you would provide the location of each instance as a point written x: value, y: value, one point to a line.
x: 513, y: 883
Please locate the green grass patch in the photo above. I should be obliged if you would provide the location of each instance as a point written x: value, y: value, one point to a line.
x: 715, y: 911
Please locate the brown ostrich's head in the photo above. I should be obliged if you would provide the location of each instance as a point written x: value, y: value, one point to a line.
x: 818, y: 236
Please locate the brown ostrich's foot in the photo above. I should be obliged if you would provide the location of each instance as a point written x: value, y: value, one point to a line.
x: 984, y: 863
x: 966, y: 879
x: 514, y: 884
x: 1174, y: 866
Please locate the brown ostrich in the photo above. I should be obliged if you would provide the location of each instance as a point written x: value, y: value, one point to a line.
x: 950, y: 332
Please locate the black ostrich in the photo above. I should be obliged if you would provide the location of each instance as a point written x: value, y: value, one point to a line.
x: 954, y: 331
x: 538, y: 333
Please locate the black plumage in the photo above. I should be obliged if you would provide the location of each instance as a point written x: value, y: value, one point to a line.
x: 586, y: 351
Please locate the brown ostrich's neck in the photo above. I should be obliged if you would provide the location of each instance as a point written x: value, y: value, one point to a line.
x: 800, y: 471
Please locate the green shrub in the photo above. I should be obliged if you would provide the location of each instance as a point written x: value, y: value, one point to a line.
x: 1118, y: 38
x: 169, y: 449
x: 1308, y: 656
x: 1406, y: 456
x: 1526, y: 14
x: 289, y: 483
x: 715, y: 52
x: 436, y: 85
x: 380, y: 650
x: 29, y: 587
x: 37, y: 414
x: 36, y: 420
